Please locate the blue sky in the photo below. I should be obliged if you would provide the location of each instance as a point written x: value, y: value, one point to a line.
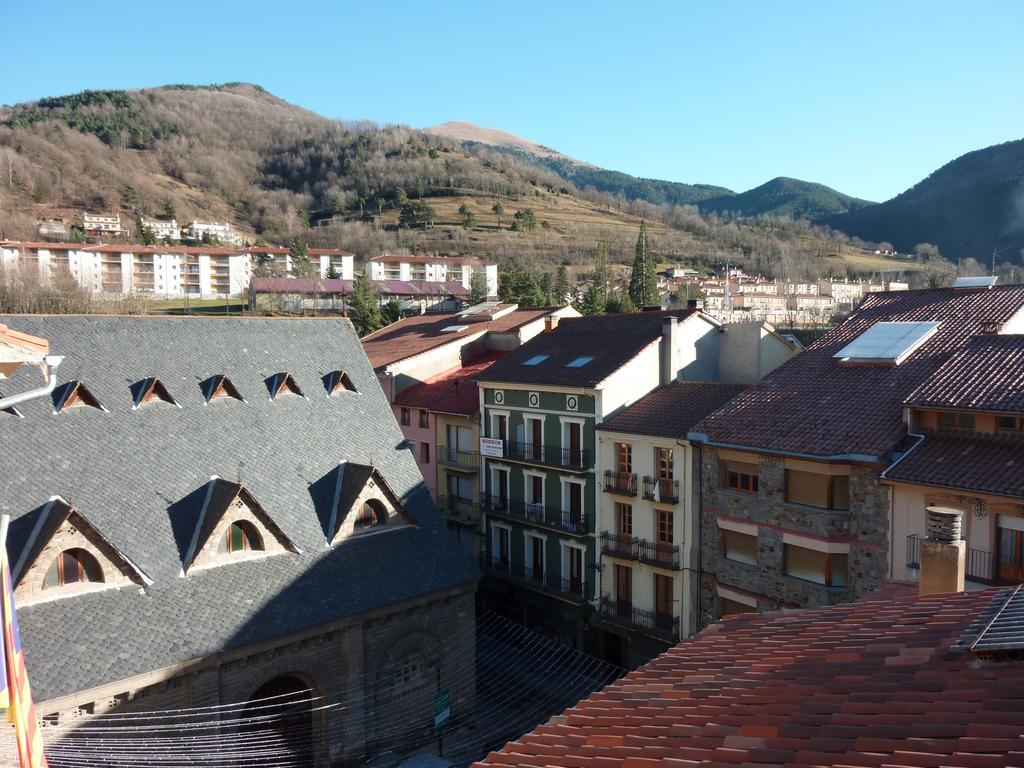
x: 867, y: 97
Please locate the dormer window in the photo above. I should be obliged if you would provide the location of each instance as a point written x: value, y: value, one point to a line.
x: 954, y: 420
x: 282, y: 384
x: 241, y: 536
x: 74, y: 394
x: 217, y: 387
x: 371, y: 513
x: 151, y: 390
x: 338, y: 381
x: 72, y: 566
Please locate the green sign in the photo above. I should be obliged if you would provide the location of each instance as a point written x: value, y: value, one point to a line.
x: 442, y: 708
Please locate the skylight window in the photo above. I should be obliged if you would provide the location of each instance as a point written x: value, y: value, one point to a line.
x: 150, y: 390
x: 579, y: 362
x: 217, y: 387
x: 536, y: 359
x: 338, y: 381
x: 283, y: 384
x: 889, y: 343
x: 74, y: 394
x: 454, y: 328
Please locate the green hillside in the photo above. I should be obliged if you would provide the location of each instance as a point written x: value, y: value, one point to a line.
x: 968, y: 208
x: 787, y: 197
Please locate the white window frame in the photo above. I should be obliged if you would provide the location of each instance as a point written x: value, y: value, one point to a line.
x: 496, y: 541
x: 530, y: 473
x: 566, y: 482
x: 528, y: 432
x: 494, y: 413
x: 528, y: 550
x: 495, y: 469
x: 564, y: 421
x: 566, y: 546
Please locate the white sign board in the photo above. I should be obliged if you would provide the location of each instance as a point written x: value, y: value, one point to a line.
x: 492, y: 446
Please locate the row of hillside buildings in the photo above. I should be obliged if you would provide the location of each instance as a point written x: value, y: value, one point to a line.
x: 110, y: 225
x: 628, y: 479
x: 220, y: 272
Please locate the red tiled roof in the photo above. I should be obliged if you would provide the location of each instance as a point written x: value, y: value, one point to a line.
x: 987, y: 375
x: 416, y: 335
x: 671, y: 410
x: 325, y: 286
x: 873, y: 683
x: 453, y: 391
x: 815, y: 405
x: 969, y: 461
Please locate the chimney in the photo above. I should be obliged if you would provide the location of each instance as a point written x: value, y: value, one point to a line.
x: 695, y: 304
x: 943, y: 553
x: 550, y: 322
x: 669, y: 351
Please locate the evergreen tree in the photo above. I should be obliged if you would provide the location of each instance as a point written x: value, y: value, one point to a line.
x: 301, y: 264
x: 545, y: 289
x: 560, y: 291
x: 363, y: 308
x: 498, y: 209
x: 332, y: 272
x: 468, y: 217
x: 169, y: 212
x: 593, y: 302
x: 392, y: 312
x: 477, y: 287
x: 619, y: 303
x: 643, y: 283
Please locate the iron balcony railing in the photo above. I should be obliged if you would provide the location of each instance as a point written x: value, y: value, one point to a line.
x: 464, y: 510
x: 981, y: 565
x: 549, y: 455
x: 662, y: 624
x: 453, y: 457
x: 632, y: 548
x: 573, y: 523
x: 535, y: 577
x: 661, y: 489
x: 622, y: 483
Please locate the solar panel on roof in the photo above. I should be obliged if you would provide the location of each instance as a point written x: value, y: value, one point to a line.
x: 476, y: 309
x: 1005, y: 630
x: 985, y: 281
x: 454, y: 328
x: 889, y: 342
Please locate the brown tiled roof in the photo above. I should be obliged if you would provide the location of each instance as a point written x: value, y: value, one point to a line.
x: 987, y: 375
x: 970, y: 461
x: 611, y: 340
x: 671, y: 410
x: 872, y: 683
x: 815, y: 405
x: 453, y: 391
x: 416, y: 335
x: 337, y: 286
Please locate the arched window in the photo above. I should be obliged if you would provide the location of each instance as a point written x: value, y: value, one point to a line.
x: 371, y: 513
x: 240, y: 536
x: 410, y: 674
x: 72, y: 566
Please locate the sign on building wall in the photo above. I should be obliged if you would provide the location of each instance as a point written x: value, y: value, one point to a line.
x: 492, y: 446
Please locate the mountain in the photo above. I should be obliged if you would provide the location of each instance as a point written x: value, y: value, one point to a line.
x: 968, y: 208
x: 778, y: 197
x: 787, y: 197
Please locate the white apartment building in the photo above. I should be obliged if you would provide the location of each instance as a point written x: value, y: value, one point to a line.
x: 103, y: 224
x: 161, y: 271
x: 224, y: 233
x: 163, y: 230
x: 434, y: 269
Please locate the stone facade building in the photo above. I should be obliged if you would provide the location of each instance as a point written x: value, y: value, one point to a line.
x: 212, y: 511
x: 794, y: 514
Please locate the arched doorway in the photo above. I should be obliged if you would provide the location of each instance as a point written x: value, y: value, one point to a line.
x: 281, y: 712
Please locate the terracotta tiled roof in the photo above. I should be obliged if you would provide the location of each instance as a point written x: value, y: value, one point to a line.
x: 611, y: 340
x: 872, y: 683
x: 416, y: 335
x: 453, y: 391
x: 340, y: 287
x: 969, y: 461
x: 671, y: 410
x: 816, y: 405
x: 987, y: 375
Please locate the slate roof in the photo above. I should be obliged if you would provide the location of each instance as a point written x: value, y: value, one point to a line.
x: 671, y: 410
x: 969, y: 461
x: 127, y: 472
x: 453, y: 391
x: 612, y: 340
x: 987, y: 375
x: 815, y: 405
x: 416, y: 335
x: 873, y: 683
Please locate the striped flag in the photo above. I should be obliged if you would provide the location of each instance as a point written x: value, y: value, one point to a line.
x: 16, y: 695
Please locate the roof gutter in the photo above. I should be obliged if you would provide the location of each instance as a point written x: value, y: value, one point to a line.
x: 701, y: 437
x: 52, y: 362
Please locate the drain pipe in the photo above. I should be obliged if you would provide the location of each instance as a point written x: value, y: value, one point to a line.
x: 52, y: 362
x: 892, y: 496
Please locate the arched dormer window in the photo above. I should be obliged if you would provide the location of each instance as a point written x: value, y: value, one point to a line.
x: 241, y: 536
x: 72, y: 566
x: 371, y: 513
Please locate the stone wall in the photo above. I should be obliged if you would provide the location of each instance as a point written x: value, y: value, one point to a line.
x: 864, y: 527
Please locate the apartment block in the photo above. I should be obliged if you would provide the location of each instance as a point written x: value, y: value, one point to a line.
x: 102, y: 224
x: 433, y: 269
x: 163, y: 230
x: 795, y: 512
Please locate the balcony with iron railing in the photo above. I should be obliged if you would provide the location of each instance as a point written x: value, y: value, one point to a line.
x: 535, y: 513
x: 661, y: 490
x: 624, y: 613
x: 453, y: 457
x: 537, y: 578
x: 461, y: 510
x: 575, y: 459
x: 622, y: 483
x: 631, y: 548
x: 982, y: 567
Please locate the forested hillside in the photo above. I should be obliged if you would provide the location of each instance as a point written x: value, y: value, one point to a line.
x: 237, y: 153
x: 787, y: 197
x: 968, y: 208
